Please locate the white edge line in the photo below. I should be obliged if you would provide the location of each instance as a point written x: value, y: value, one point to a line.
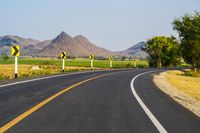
x: 160, y: 128
x: 55, y: 76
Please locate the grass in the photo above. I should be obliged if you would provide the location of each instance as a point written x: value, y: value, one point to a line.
x: 52, y: 66
x: 76, y: 62
x: 187, y: 84
x: 7, y: 71
x: 191, y: 73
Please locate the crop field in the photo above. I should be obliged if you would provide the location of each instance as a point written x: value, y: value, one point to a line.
x: 76, y: 62
x: 28, y: 67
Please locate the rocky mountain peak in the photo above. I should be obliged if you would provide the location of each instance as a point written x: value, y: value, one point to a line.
x: 137, y: 46
x: 81, y: 38
x: 62, y: 36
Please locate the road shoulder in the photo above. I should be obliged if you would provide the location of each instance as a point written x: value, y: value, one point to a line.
x: 182, y: 98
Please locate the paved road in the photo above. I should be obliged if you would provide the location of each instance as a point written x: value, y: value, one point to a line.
x: 103, y: 105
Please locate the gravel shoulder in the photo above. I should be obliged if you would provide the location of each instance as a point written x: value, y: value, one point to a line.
x: 178, y: 94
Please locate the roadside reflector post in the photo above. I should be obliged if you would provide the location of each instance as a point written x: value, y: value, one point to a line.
x: 110, y: 64
x: 63, y: 57
x: 91, y: 61
x: 135, y: 63
x: 110, y: 59
x: 63, y: 67
x: 16, y: 67
x: 15, y: 52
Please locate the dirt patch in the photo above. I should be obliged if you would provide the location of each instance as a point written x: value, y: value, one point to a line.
x: 181, y: 97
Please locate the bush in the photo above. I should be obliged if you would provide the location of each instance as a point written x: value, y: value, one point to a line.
x: 5, y: 57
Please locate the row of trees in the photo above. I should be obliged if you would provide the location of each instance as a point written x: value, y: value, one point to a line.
x: 168, y: 51
x: 163, y: 51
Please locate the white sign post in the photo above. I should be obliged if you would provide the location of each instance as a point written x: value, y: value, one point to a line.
x: 63, y: 57
x: 111, y: 64
x: 16, y: 67
x: 92, y: 64
x: 15, y: 52
x: 63, y: 67
x: 110, y: 59
x: 91, y: 61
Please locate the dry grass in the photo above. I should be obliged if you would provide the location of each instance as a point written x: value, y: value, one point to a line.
x: 186, y: 84
x: 7, y: 71
x: 180, y: 88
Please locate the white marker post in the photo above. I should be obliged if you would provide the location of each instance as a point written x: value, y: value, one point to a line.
x: 63, y: 56
x: 92, y: 61
x: 135, y: 63
x: 111, y: 64
x: 110, y: 59
x: 63, y: 67
x: 16, y: 67
x: 16, y: 52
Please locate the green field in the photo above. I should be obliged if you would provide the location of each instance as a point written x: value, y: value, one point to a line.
x: 46, y: 66
x: 75, y: 62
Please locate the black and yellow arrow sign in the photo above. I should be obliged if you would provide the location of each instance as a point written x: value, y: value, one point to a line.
x: 91, y: 57
x: 63, y: 55
x: 15, y: 50
x: 110, y: 58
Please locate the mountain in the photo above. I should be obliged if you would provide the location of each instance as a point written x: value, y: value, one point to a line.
x: 135, y: 51
x: 28, y: 46
x: 78, y: 46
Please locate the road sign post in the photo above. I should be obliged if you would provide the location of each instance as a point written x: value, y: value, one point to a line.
x: 16, y: 67
x: 110, y: 59
x: 135, y: 63
x: 63, y: 67
x: 91, y: 61
x: 63, y: 57
x: 16, y: 53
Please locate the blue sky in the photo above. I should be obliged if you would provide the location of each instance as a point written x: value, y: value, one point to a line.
x: 112, y: 24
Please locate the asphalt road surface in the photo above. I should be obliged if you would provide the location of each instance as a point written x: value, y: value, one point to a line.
x: 93, y: 102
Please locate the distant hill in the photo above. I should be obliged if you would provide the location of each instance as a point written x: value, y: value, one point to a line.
x: 28, y: 46
x: 135, y: 51
x: 78, y: 46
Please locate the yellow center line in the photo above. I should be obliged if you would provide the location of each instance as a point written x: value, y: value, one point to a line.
x: 36, y: 107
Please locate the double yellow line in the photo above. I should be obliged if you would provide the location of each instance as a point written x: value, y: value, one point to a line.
x: 36, y: 107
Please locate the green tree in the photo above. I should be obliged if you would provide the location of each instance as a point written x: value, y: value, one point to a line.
x: 130, y: 58
x: 162, y: 51
x: 5, y: 57
x: 188, y: 28
x: 123, y: 58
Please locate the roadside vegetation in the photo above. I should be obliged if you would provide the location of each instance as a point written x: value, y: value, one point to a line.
x: 163, y: 51
x: 44, y: 66
x: 182, y: 88
x: 170, y: 52
x: 182, y: 85
x: 79, y: 62
x: 7, y: 70
x: 186, y: 83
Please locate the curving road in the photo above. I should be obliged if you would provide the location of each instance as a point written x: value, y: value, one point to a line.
x: 93, y: 102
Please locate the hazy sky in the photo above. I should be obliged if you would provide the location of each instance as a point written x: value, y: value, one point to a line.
x: 112, y: 24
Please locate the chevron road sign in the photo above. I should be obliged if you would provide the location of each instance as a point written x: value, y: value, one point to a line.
x: 91, y: 57
x: 92, y: 61
x: 15, y: 50
x: 63, y: 55
x: 110, y: 59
